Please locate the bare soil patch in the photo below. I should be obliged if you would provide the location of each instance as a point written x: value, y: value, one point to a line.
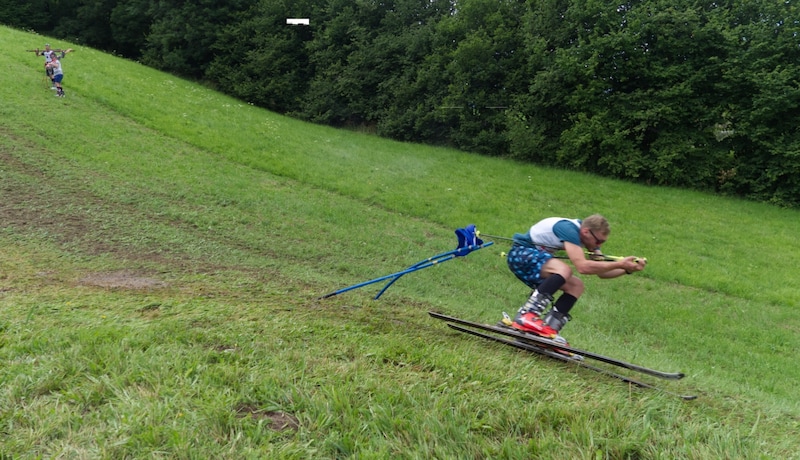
x: 123, y: 279
x: 278, y: 421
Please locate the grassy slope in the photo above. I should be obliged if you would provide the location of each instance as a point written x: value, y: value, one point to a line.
x: 244, y: 217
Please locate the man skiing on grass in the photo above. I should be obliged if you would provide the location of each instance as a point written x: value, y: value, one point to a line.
x: 531, y: 260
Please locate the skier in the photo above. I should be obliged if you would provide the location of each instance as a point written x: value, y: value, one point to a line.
x: 48, y: 54
x: 531, y: 260
x: 58, y: 74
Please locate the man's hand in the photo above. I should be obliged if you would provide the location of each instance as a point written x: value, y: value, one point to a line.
x: 633, y: 264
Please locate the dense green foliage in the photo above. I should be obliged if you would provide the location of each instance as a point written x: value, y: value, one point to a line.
x: 690, y: 94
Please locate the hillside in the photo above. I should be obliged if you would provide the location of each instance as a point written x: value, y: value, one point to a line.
x: 164, y: 248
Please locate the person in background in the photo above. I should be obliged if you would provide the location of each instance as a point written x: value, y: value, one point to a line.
x: 48, y: 54
x: 58, y: 74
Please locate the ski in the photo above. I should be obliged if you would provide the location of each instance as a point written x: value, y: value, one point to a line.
x: 566, y: 359
x: 542, y: 342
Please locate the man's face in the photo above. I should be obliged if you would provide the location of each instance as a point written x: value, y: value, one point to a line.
x: 592, y: 239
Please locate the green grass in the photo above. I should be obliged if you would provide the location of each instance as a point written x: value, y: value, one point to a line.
x: 163, y: 248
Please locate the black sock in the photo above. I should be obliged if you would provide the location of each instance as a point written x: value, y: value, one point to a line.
x: 565, y: 303
x: 551, y: 284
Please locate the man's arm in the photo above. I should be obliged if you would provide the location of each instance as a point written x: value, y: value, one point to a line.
x: 601, y: 269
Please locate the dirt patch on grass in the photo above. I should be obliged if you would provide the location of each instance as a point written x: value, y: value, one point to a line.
x: 281, y: 421
x: 54, y: 202
x: 38, y: 200
x: 59, y: 206
x: 278, y: 421
x: 124, y: 279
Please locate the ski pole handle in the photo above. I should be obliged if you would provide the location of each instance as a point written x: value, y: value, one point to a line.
x: 608, y: 258
x: 605, y: 258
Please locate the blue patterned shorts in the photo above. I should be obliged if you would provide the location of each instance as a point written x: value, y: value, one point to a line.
x: 526, y: 263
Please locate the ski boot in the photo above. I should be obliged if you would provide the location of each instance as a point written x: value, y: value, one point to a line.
x: 555, y: 320
x: 528, y: 317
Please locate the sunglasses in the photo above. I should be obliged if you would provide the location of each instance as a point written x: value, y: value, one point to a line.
x: 597, y: 240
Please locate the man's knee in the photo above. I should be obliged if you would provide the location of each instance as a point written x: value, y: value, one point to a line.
x: 574, y: 286
x: 557, y: 267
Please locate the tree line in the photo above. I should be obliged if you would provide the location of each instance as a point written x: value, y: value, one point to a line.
x: 693, y: 94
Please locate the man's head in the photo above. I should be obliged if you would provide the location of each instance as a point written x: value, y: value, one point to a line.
x: 594, y: 231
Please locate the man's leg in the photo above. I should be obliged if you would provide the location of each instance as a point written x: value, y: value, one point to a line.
x: 543, y: 295
x: 558, y: 316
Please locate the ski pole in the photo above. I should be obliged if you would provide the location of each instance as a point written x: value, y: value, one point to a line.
x: 429, y: 262
x: 599, y: 257
x: 591, y: 255
x: 607, y: 258
x: 478, y: 233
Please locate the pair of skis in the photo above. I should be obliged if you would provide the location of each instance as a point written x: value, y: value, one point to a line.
x: 549, y: 348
